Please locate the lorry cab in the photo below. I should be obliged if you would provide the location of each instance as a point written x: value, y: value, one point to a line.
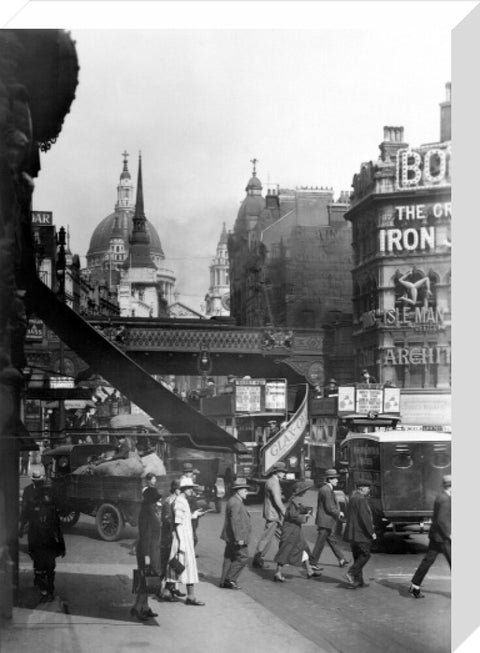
x: 405, y: 469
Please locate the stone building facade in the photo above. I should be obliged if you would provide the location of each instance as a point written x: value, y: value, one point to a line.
x: 400, y: 214
x: 290, y: 260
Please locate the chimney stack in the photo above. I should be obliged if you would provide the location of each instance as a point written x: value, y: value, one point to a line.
x: 392, y: 142
x: 446, y: 115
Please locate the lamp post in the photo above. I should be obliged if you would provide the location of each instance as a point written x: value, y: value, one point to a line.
x: 60, y: 270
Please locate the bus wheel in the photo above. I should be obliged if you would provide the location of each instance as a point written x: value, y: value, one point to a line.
x: 109, y: 522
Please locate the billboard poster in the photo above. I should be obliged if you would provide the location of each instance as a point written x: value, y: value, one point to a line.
x: 368, y: 401
x: 248, y: 398
x: 346, y: 399
x: 276, y: 395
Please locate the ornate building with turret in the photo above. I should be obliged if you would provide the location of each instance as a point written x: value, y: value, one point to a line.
x: 217, y: 300
x: 290, y: 260
x: 126, y: 256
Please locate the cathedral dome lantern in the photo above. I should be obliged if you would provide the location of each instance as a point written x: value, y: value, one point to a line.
x: 119, y: 226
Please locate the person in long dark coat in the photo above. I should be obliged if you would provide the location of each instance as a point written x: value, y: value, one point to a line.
x: 293, y: 548
x: 45, y: 539
x: 360, y: 532
x: 149, y: 532
x: 439, y: 537
x: 236, y: 533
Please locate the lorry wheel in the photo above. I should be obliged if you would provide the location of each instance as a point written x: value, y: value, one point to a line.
x: 68, y: 518
x: 109, y: 521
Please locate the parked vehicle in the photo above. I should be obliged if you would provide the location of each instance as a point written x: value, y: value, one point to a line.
x: 113, y: 500
x: 405, y: 469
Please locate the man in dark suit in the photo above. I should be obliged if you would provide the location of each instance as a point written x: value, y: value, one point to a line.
x: 273, y: 513
x: 328, y: 514
x: 236, y: 533
x: 440, y: 536
x: 359, y: 532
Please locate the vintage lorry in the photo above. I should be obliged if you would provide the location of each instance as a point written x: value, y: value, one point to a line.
x: 113, y: 500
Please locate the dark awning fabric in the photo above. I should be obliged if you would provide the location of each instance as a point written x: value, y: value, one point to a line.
x: 18, y: 430
x: 125, y: 375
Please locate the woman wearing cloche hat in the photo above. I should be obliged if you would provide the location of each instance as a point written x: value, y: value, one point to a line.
x: 293, y: 548
x: 182, y: 543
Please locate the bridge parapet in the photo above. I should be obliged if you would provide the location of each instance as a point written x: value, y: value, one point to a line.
x: 174, y: 337
x: 174, y: 347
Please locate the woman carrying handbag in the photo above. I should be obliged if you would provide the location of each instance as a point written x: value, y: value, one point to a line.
x: 182, y: 553
x: 293, y: 548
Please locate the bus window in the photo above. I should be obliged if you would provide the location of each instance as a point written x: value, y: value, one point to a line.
x: 402, y: 458
x: 441, y: 457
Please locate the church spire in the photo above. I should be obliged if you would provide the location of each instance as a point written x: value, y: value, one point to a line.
x: 139, y: 255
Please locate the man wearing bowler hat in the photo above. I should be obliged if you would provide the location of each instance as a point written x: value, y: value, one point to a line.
x: 359, y: 532
x: 236, y: 533
x: 273, y: 513
x: 328, y: 514
x: 439, y: 537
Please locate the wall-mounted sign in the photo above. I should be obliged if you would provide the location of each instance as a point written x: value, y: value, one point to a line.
x: 407, y: 240
x: 411, y: 212
x: 439, y: 355
x: 42, y: 218
x: 428, y: 167
x: 34, y: 330
x: 61, y: 382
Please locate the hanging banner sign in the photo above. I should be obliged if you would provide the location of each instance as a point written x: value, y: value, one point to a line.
x: 283, y: 442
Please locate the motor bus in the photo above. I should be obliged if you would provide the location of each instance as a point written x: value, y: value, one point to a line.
x: 405, y: 468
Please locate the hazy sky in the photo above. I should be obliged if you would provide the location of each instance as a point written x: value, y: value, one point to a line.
x: 309, y: 104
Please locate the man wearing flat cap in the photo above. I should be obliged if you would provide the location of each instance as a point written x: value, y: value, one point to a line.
x: 273, y: 513
x: 328, y: 514
x: 359, y: 532
x: 236, y: 534
x: 439, y: 537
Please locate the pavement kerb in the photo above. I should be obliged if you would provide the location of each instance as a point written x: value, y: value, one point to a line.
x: 230, y: 622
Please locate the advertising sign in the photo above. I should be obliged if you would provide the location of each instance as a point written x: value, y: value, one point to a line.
x: 346, y: 399
x: 61, y: 382
x: 248, y: 398
x: 275, y: 395
x: 42, y: 218
x: 368, y: 401
x: 34, y: 330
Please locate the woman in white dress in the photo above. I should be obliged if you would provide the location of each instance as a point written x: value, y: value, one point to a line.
x: 182, y: 543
